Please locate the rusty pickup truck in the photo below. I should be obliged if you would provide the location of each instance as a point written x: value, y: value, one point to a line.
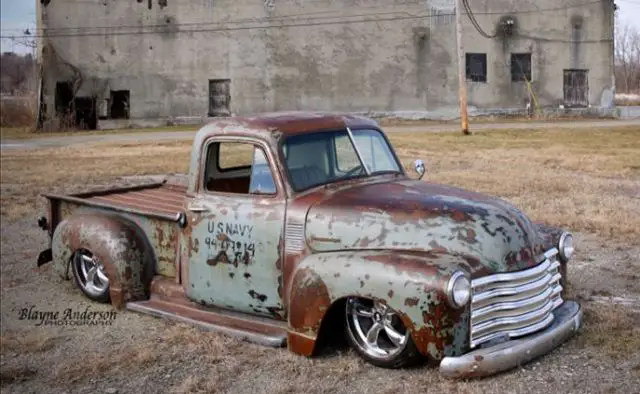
x: 294, y: 227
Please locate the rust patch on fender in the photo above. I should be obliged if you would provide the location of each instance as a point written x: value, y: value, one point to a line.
x: 309, y: 302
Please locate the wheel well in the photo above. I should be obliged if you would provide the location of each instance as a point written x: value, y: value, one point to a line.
x: 332, y: 335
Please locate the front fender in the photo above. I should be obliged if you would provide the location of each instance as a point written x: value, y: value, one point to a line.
x: 414, y: 285
x: 118, y: 243
x: 549, y: 234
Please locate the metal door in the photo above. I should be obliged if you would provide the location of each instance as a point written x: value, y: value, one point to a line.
x: 236, y: 260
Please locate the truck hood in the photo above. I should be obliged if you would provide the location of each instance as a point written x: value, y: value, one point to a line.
x: 488, y: 233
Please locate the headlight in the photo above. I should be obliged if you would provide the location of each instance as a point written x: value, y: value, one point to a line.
x: 565, y: 246
x: 458, y: 290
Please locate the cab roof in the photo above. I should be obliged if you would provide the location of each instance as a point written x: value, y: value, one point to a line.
x: 296, y: 122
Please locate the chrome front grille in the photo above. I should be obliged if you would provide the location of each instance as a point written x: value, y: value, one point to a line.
x: 513, y: 304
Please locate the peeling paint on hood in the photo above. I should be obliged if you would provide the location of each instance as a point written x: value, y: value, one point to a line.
x: 416, y: 216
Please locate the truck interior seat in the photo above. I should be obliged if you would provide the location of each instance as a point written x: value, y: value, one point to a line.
x: 229, y: 185
x: 304, y: 177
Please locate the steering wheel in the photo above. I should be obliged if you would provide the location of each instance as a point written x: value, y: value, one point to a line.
x: 352, y: 171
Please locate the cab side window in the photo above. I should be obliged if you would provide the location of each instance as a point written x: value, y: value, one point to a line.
x: 238, y: 167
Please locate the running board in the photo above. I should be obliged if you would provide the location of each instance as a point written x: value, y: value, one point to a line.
x: 253, y: 329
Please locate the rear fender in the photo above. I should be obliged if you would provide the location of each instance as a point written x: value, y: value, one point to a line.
x: 117, y: 243
x: 411, y: 284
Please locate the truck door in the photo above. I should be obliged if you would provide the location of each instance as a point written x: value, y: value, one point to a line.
x: 237, y: 220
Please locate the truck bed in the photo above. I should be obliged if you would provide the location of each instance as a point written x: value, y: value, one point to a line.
x: 163, y: 200
x: 157, y: 208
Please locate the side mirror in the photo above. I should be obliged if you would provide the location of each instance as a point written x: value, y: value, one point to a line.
x: 419, y: 167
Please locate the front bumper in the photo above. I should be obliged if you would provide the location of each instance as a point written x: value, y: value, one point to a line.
x: 512, y: 353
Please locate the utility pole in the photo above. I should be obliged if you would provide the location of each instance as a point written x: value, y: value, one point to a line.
x: 462, y: 83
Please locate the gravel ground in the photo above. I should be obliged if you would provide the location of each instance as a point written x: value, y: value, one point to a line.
x: 141, y: 354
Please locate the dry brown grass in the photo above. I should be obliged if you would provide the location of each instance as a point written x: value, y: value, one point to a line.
x: 615, y: 329
x: 225, y: 359
x: 484, y: 119
x: 25, y: 174
x: 32, y: 342
x: 18, y: 111
x: 96, y: 365
x: 17, y: 374
x: 586, y: 180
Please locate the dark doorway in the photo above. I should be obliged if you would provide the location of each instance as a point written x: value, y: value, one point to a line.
x: 219, y: 97
x: 86, y: 116
x: 64, y: 98
x: 576, y: 88
x: 119, y: 108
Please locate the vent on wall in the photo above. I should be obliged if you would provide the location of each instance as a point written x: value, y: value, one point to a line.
x: 269, y: 5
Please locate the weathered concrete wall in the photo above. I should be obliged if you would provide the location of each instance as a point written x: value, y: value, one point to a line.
x: 577, y: 37
x: 405, y: 64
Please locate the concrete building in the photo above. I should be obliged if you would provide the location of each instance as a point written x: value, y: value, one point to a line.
x: 114, y: 63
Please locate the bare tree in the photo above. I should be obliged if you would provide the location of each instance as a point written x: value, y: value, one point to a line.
x: 627, y: 58
x: 16, y: 72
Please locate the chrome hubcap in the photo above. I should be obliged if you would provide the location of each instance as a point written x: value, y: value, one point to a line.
x: 376, y: 329
x: 91, y: 274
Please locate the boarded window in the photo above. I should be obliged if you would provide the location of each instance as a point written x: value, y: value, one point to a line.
x: 520, y: 67
x: 219, y: 97
x: 476, y: 67
x: 576, y: 88
x: 119, y: 104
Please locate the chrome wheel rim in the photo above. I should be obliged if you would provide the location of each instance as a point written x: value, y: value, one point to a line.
x: 376, y: 329
x: 91, y: 274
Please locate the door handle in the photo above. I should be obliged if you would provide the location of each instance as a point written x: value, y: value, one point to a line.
x: 197, y: 208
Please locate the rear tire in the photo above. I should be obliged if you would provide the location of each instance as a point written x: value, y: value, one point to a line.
x: 377, y: 334
x: 90, y: 276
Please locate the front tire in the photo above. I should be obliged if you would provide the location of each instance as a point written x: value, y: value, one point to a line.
x: 90, y: 276
x: 377, y: 334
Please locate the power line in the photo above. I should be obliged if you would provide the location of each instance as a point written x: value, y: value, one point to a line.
x: 241, y: 20
x: 220, y: 29
x: 268, y: 19
x: 563, y: 40
x: 473, y: 20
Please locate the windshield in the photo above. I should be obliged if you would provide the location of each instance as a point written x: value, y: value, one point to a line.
x: 320, y: 158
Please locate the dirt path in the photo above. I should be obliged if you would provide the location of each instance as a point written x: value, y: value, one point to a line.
x: 47, y: 142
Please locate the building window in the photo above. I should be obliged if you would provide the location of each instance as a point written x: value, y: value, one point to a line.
x: 119, y: 107
x: 219, y: 97
x: 476, y: 67
x: 520, y: 67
